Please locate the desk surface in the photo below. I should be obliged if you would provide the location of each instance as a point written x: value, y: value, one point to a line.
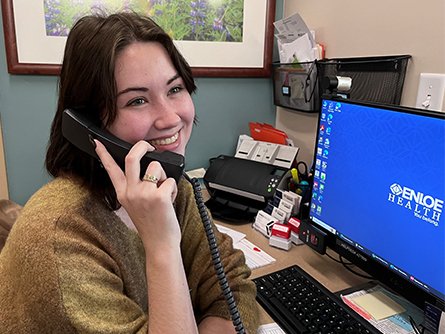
x: 328, y: 272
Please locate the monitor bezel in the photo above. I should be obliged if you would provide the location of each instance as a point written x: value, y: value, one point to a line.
x: 379, y: 272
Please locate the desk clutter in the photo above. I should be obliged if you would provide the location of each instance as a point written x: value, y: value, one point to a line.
x: 277, y: 221
x: 255, y: 256
x: 243, y: 184
x: 303, y: 73
x: 264, y: 183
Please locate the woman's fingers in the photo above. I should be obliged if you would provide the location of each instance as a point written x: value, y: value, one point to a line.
x: 116, y: 174
x: 133, y: 161
x: 170, y: 186
x: 127, y: 184
x: 154, y: 171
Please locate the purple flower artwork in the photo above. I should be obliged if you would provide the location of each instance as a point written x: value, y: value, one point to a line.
x: 199, y: 20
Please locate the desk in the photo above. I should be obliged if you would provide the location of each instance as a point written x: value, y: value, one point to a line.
x: 328, y: 272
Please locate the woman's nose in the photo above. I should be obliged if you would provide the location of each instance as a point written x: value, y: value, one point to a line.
x: 166, y: 115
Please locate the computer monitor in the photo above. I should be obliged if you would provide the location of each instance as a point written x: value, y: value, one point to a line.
x: 379, y: 191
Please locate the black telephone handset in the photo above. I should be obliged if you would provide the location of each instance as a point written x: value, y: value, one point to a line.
x: 78, y: 129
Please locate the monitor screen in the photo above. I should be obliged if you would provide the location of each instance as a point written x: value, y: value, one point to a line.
x: 379, y: 192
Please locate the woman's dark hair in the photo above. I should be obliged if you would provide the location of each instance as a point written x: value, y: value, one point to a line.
x: 87, y: 83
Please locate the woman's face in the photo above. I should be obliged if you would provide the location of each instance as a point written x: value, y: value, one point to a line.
x: 152, y: 101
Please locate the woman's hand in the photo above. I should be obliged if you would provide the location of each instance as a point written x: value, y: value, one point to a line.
x: 148, y: 203
x: 150, y: 206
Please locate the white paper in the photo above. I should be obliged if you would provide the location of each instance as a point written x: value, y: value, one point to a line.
x: 255, y: 256
x: 235, y: 235
x: 298, y: 51
x: 295, y: 41
x: 272, y: 328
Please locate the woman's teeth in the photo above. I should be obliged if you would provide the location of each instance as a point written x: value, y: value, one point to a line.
x: 165, y: 141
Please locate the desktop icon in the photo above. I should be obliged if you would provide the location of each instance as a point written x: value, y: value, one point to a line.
x: 325, y: 153
x: 326, y: 143
x: 318, y: 162
x: 330, y: 118
x: 328, y: 130
x: 321, y: 188
x: 315, y: 185
x: 323, y: 176
x: 324, y: 165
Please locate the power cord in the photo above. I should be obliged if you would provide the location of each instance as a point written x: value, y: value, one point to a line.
x: 416, y: 328
x: 216, y: 259
x: 347, y: 266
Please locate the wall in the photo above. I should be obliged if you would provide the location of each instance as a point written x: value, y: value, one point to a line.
x: 369, y: 28
x: 27, y: 104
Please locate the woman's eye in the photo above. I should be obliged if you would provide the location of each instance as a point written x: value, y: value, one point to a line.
x: 175, y: 90
x: 136, y: 102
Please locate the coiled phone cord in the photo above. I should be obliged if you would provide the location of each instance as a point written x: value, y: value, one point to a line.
x: 216, y: 259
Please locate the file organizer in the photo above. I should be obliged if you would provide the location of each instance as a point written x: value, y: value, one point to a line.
x: 379, y: 79
x: 295, y: 86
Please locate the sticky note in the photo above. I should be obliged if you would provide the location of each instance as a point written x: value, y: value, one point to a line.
x: 378, y: 305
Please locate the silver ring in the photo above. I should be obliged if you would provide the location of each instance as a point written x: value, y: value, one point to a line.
x: 150, y: 178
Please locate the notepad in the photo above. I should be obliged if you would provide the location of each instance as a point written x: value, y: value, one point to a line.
x: 378, y: 305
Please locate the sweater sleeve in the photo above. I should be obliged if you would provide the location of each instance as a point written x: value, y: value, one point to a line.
x: 206, y: 292
x: 97, y: 291
x: 71, y: 266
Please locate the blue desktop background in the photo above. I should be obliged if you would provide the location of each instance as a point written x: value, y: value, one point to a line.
x: 368, y: 150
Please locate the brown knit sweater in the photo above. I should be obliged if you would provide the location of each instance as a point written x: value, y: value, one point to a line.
x: 70, y: 265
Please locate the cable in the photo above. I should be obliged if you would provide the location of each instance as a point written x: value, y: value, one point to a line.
x: 216, y: 259
x: 416, y: 327
x: 347, y: 266
x: 334, y: 259
x: 353, y: 271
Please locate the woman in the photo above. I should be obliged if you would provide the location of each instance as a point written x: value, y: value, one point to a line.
x: 98, y: 250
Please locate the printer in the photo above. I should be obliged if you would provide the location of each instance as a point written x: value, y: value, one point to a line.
x: 239, y: 188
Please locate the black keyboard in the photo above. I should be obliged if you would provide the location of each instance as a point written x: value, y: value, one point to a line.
x: 300, y: 304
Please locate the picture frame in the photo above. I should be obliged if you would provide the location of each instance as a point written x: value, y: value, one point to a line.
x: 30, y: 51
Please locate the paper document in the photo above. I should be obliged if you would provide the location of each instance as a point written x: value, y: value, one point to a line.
x: 272, y: 328
x: 235, y: 235
x: 255, y: 256
x: 295, y: 41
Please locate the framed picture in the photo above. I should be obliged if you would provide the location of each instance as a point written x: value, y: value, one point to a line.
x: 219, y: 38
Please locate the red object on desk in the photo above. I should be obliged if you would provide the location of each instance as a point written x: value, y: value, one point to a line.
x: 266, y: 132
x: 281, y: 230
x: 294, y: 224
